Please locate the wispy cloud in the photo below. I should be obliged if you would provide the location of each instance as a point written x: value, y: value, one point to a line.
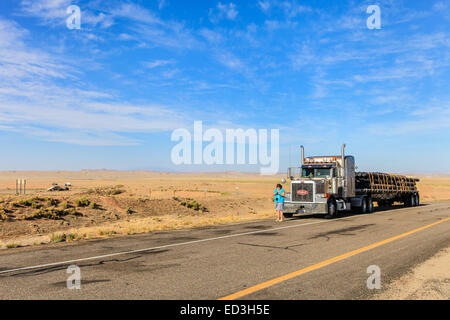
x: 32, y: 99
x: 157, y: 63
x: 264, y: 5
x: 223, y: 11
x: 48, y: 10
x: 229, y: 60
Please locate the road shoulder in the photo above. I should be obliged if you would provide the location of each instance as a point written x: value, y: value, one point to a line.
x: 428, y: 280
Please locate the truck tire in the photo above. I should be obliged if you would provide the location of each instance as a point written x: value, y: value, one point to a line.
x: 287, y: 215
x: 369, y: 205
x: 363, y: 208
x: 409, y: 201
x: 331, y: 209
x: 417, y: 199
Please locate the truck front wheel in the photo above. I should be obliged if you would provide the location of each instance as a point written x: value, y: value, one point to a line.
x: 331, y: 209
x: 287, y: 215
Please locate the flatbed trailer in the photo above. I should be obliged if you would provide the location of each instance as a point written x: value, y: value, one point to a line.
x: 386, y: 188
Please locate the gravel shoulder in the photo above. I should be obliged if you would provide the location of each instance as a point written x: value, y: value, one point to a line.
x: 427, y: 281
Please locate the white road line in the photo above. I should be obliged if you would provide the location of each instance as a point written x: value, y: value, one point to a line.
x: 162, y: 247
x: 175, y: 244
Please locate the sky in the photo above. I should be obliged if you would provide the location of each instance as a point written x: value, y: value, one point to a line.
x: 110, y: 94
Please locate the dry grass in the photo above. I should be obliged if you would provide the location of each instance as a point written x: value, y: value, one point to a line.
x: 434, y: 188
x: 139, y: 226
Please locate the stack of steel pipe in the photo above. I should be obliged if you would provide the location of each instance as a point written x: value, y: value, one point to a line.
x: 377, y: 182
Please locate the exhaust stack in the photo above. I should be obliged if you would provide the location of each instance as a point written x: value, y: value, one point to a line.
x: 303, y: 154
x: 343, y: 156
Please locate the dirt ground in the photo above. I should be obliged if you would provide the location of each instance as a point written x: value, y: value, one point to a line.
x: 428, y: 281
x: 106, y: 203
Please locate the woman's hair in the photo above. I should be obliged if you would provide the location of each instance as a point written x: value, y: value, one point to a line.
x: 279, y: 186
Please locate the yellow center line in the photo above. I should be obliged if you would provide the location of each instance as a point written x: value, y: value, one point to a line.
x: 324, y: 263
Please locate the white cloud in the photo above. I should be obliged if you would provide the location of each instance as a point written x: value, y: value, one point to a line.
x: 48, y: 10
x: 223, y: 11
x: 264, y: 5
x: 136, y: 13
x: 290, y: 9
x: 161, y: 4
x: 211, y: 36
x: 293, y: 9
x: 229, y: 60
x: 53, y: 12
x: 157, y: 63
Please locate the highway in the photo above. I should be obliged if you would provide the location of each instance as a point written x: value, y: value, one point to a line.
x: 306, y: 257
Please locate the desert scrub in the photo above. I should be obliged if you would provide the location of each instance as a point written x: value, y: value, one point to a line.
x: 12, y: 245
x: 26, y: 203
x: 129, y: 211
x: 58, y: 237
x: 65, y: 205
x: 73, y: 212
x: 48, y: 213
x: 73, y: 237
x: 94, y: 205
x: 62, y: 237
x: 52, y: 213
x: 83, y: 202
x: 51, y: 202
x: 192, y: 204
x: 3, y: 215
x: 107, y: 191
x: 106, y: 233
x: 35, y: 205
x: 14, y: 204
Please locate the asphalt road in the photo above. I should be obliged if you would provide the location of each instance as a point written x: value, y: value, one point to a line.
x: 307, y: 257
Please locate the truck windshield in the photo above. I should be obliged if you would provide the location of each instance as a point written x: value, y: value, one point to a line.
x: 316, y: 173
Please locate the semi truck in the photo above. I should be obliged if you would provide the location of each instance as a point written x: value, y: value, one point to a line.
x: 331, y: 185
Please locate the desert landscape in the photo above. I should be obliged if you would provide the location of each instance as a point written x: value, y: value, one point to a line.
x: 103, y: 203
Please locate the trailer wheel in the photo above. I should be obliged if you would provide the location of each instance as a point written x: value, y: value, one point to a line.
x: 363, y: 208
x: 331, y: 209
x: 369, y: 205
x: 409, y: 201
x: 417, y: 199
x: 287, y: 215
x: 412, y: 201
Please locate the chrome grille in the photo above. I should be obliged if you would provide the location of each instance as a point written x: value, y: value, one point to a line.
x: 308, y: 189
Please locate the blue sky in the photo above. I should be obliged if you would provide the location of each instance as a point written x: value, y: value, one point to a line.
x: 110, y: 94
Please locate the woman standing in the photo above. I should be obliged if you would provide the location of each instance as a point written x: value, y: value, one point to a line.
x: 279, y: 202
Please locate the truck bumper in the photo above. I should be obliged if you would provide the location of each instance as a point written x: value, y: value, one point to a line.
x: 292, y: 207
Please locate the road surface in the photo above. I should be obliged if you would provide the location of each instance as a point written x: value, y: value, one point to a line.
x: 305, y: 257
